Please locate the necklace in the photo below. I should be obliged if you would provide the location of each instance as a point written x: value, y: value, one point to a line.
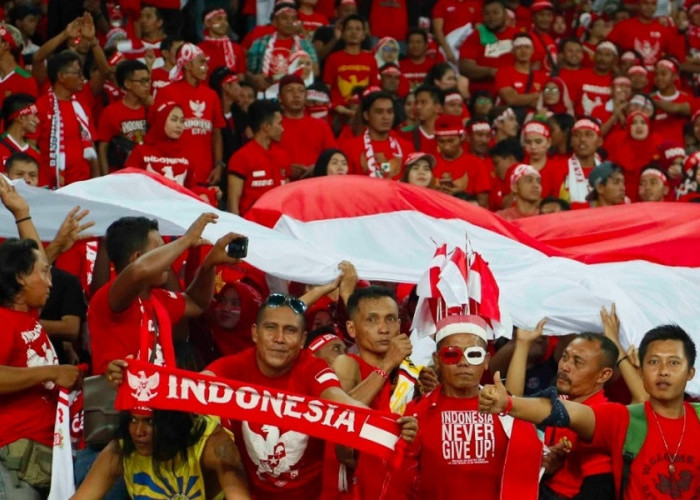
x: 671, y: 459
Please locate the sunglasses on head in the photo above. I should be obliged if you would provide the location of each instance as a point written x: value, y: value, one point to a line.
x: 451, y: 355
x: 280, y: 299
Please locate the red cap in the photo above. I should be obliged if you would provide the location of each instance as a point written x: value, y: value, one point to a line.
x: 541, y: 5
x: 449, y: 125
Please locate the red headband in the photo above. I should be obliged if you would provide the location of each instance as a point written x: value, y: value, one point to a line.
x: 7, y: 36
x: 231, y: 78
x: 656, y: 173
x: 536, y: 128
x: 665, y: 63
x: 319, y: 342
x: 141, y: 411
x: 586, y: 124
x: 215, y: 13
x: 31, y: 109
x: 479, y: 127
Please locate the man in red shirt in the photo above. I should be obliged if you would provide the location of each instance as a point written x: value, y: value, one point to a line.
x: 279, y: 361
x: 571, y: 183
x: 526, y: 186
x: 203, y: 116
x: 125, y: 118
x: 19, y: 115
x: 646, y: 35
x: 65, y: 128
x: 450, y: 15
x: 129, y: 316
x: 152, y: 32
x: 160, y: 77
x: 593, y: 88
x: 13, y: 78
x: 429, y: 101
x: 379, y: 151
x: 351, y: 67
x: 520, y: 84
x: 417, y: 64
x: 666, y: 427
x: 607, y: 183
x: 544, y: 56
x: 488, y: 48
x: 217, y: 45
x: 304, y: 137
x: 673, y: 105
x: 260, y: 165
x: 506, y: 155
x: 569, y: 60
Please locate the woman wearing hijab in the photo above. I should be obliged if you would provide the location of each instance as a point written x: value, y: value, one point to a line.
x: 233, y: 313
x: 554, y: 98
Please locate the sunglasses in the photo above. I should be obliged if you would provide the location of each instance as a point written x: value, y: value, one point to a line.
x: 451, y: 355
x: 280, y: 299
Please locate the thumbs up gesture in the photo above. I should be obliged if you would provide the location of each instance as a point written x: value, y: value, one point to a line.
x: 493, y: 398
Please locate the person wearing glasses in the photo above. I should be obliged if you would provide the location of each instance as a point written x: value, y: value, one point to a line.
x: 282, y: 463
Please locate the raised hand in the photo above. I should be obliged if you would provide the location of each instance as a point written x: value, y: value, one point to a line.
x: 348, y: 281
x: 87, y: 29
x: 12, y: 200
x: 73, y: 28
x: 194, y: 233
x: 71, y: 230
x: 611, y: 324
x: 219, y: 252
x: 493, y: 398
x: 399, y: 349
x: 530, y: 335
x: 428, y: 379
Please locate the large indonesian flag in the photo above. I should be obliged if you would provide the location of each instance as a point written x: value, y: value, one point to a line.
x: 562, y: 266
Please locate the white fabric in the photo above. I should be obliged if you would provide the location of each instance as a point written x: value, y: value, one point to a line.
x: 62, y: 482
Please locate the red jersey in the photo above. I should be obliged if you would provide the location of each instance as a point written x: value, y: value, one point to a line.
x: 297, y: 475
x: 117, y: 335
x: 582, y: 461
x: 153, y: 159
x: 203, y: 114
x: 8, y: 146
x: 343, y: 72
x: 466, y: 164
x: 544, y: 49
x: 261, y: 170
x: 18, y: 81
x: 493, y: 55
x: 31, y: 412
x: 415, y: 72
x: 119, y: 119
x: 649, y: 474
x: 389, y: 18
x: 457, y: 13
x: 224, y: 52
x: 508, y: 76
x: 388, y: 155
x: 304, y: 138
x: 652, y: 40
x: 592, y: 90
x: 670, y: 126
x: 312, y: 22
x: 421, y: 140
x: 572, y: 79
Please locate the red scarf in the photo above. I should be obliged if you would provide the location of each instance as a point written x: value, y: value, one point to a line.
x: 164, y: 388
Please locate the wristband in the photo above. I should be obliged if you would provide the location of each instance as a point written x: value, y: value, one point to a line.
x: 19, y: 221
x: 381, y: 373
x: 509, y: 405
x: 621, y: 360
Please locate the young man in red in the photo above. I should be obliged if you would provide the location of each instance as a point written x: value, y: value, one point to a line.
x: 673, y: 106
x: 379, y: 151
x: 152, y: 32
x: 13, y: 78
x: 203, y: 116
x: 571, y: 182
x: 260, y: 165
x: 607, y: 182
x: 544, y: 56
x: 416, y: 64
x: 455, y: 170
x: 488, y: 48
x: 520, y: 84
x: 593, y: 86
x: 429, y: 101
x: 526, y: 186
x: 304, y: 137
x: 125, y: 118
x: 19, y: 115
x: 65, y: 128
x: 569, y: 61
x: 351, y: 67
x: 218, y: 47
x: 160, y: 77
x: 653, y: 184
x: 506, y: 156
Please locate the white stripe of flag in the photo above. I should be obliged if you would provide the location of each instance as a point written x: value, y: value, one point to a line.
x: 325, y: 376
x: 378, y: 435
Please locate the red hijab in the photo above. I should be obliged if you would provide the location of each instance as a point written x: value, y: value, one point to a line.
x: 156, y: 137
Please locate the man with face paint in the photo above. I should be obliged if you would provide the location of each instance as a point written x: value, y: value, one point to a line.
x: 19, y: 115
x: 217, y: 45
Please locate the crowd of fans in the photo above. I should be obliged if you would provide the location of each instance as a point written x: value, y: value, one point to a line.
x: 523, y: 108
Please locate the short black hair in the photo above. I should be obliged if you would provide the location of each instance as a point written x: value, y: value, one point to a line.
x: 608, y: 349
x: 13, y: 103
x: 367, y: 101
x: 217, y: 76
x: 321, y: 166
x: 126, y: 70
x: 653, y: 165
x: 668, y: 332
x: 169, y: 41
x: 570, y: 39
x: 126, y: 236
x: 417, y: 31
x: 159, y: 13
x: 436, y: 94
x: 367, y: 293
x: 17, y: 258
x: 262, y: 112
x: 59, y: 62
x: 553, y: 199
x: 17, y: 157
x: 352, y: 17
x: 264, y: 306
x: 508, y: 147
x: 436, y: 72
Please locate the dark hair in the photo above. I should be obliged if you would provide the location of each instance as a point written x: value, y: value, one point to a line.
x: 19, y: 156
x: 367, y: 293
x: 489, y: 2
x: 217, y: 76
x: 173, y: 433
x: 436, y: 94
x: 508, y: 147
x: 159, y: 13
x: 300, y: 317
x: 262, y: 112
x: 318, y: 332
x: 608, y: 349
x: 321, y: 166
x: 17, y: 258
x: 169, y: 41
x: 437, y: 72
x: 367, y: 102
x: 553, y: 199
x: 565, y: 122
x: 126, y: 70
x: 352, y: 17
x: 13, y: 103
x: 653, y: 165
x: 126, y: 236
x: 668, y: 332
x: 417, y: 31
x: 570, y: 39
x: 476, y: 95
x: 60, y: 62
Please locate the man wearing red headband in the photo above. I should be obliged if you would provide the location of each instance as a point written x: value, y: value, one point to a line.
x: 653, y: 184
x: 526, y: 186
x: 520, y: 84
x: 217, y: 45
x: 572, y: 181
x: 13, y: 78
x: 673, y: 105
x: 19, y: 115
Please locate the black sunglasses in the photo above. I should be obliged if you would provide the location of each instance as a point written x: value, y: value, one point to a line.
x: 280, y: 299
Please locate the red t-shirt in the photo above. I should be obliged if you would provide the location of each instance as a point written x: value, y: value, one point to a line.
x: 354, y: 149
x: 304, y: 138
x: 670, y: 126
x: 500, y: 188
x: 652, y: 40
x: 152, y: 159
x: 18, y: 81
x: 215, y: 51
x: 457, y: 13
x: 388, y: 18
x: 572, y: 79
x: 592, y: 90
x: 203, y: 114
x: 119, y: 119
x: 159, y: 78
x: 649, y: 474
x: 261, y: 170
x: 117, y: 335
x: 29, y: 413
x: 312, y: 22
x: 415, y: 72
x: 466, y: 164
x: 543, y: 44
x: 493, y: 55
x: 297, y: 476
x: 9, y: 146
x: 343, y: 72
x: 426, y: 143
x: 508, y: 76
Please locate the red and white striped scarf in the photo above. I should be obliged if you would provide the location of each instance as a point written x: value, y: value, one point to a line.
x: 267, y: 58
x: 226, y: 45
x: 375, y: 169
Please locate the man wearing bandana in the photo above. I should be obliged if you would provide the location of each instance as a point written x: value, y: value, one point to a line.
x: 218, y: 47
x: 13, y: 78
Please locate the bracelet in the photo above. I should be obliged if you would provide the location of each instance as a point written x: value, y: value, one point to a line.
x: 381, y: 373
x: 621, y: 360
x: 19, y: 221
x: 509, y: 405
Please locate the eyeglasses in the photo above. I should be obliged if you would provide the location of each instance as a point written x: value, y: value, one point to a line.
x: 551, y: 90
x: 451, y: 355
x: 280, y: 299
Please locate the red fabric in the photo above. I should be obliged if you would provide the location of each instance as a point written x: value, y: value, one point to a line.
x: 496, y: 55
x: 6, y: 151
x: 508, y: 76
x: 632, y: 156
x: 159, y: 79
x: 313, y: 21
x: 415, y: 72
x: 237, y: 339
x: 543, y: 43
x: 18, y: 81
x: 119, y: 119
x: 29, y: 413
x: 203, y: 114
x: 592, y: 90
x: 215, y: 52
x: 79, y: 260
x: 466, y: 164
x: 652, y: 40
x: 354, y: 149
x: 500, y: 188
x: 326, y: 7
x: 571, y: 77
x: 582, y: 461
x: 670, y: 126
x: 342, y: 72
x: 426, y: 143
x: 457, y: 13
x: 261, y: 170
x: 388, y: 18
x: 117, y: 335
x: 303, y: 139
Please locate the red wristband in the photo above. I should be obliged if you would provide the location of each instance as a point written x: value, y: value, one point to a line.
x: 509, y: 405
x: 382, y: 373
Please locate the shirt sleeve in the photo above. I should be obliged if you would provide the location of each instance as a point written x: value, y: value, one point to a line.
x: 107, y: 129
x: 218, y: 120
x: 329, y: 77
x: 503, y: 79
x: 134, y: 160
x: 321, y: 376
x: 611, y: 422
x: 238, y: 164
